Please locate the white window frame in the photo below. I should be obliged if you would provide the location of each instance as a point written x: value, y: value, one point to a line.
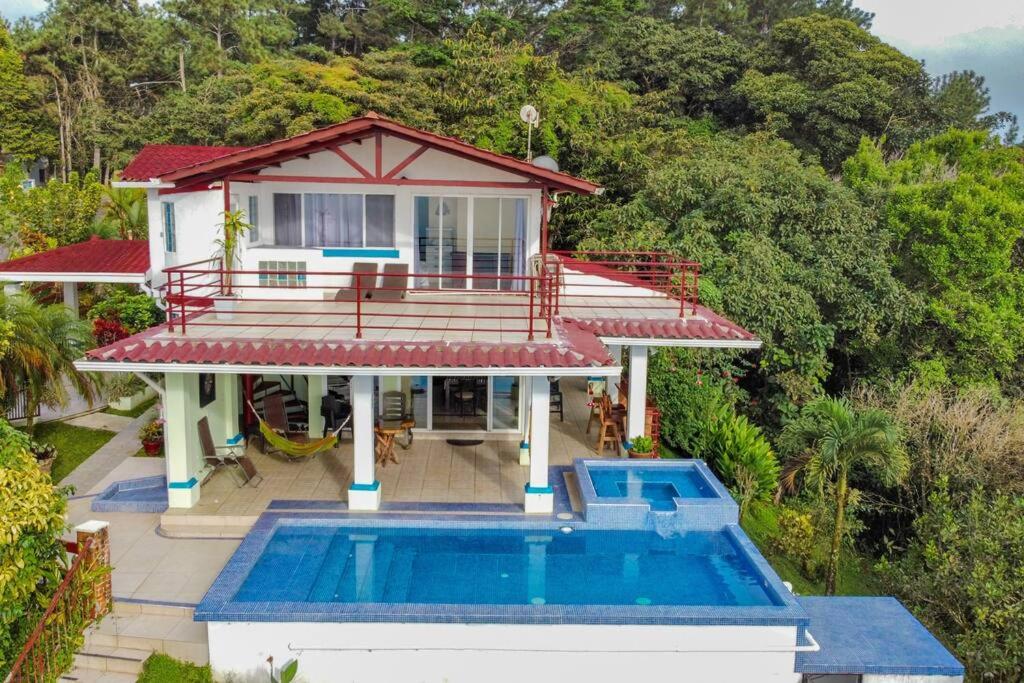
x: 471, y: 228
x: 363, y: 194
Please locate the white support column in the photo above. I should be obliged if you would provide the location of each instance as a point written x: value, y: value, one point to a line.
x: 525, y: 391
x: 182, y: 479
x: 364, y: 494
x: 316, y: 387
x: 228, y: 404
x: 637, y: 405
x: 71, y: 297
x: 615, y: 351
x: 540, y: 496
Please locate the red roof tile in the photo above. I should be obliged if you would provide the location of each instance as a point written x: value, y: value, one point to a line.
x: 704, y: 325
x: 578, y: 350
x: 153, y: 161
x: 95, y: 256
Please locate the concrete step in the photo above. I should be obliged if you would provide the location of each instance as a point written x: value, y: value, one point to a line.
x: 124, y: 660
x: 80, y: 675
x: 174, y: 525
x: 168, y: 629
x: 130, y: 609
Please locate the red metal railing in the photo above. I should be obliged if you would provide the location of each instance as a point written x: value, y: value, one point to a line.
x: 50, y: 648
x: 581, y: 284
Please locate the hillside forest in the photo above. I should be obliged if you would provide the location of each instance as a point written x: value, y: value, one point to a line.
x: 859, y: 213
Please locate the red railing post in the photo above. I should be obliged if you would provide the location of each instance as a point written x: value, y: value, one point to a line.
x: 359, y: 305
x: 181, y: 292
x: 533, y: 290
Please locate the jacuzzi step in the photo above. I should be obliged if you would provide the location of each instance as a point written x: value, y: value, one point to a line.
x: 177, y: 525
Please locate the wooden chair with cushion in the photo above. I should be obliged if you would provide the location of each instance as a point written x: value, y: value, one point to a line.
x: 366, y: 272
x: 232, y: 456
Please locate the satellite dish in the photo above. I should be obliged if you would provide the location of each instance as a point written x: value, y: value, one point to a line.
x: 529, y: 114
x: 544, y: 161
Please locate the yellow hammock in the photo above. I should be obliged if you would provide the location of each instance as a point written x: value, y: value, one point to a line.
x: 293, y: 448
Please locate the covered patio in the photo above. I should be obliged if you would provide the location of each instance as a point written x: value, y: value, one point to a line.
x: 430, y: 471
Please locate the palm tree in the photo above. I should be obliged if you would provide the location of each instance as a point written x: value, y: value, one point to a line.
x: 42, y: 346
x: 126, y: 211
x: 828, y: 440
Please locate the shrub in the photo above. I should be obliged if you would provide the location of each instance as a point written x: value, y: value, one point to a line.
x: 962, y: 577
x: 135, y: 312
x: 31, y: 554
x: 108, y: 331
x: 744, y: 459
x: 642, y: 444
x: 795, y: 539
x: 122, y: 386
x: 152, y: 431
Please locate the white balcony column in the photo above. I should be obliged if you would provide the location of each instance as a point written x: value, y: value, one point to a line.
x: 637, y: 404
x: 180, y: 402
x: 540, y: 497
x: 228, y: 402
x: 71, y: 297
x: 525, y: 389
x: 364, y: 494
x: 615, y: 351
x: 316, y: 389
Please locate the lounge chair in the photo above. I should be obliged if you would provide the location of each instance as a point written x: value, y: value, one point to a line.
x: 367, y: 282
x: 394, y: 283
x: 277, y: 416
x: 231, y: 456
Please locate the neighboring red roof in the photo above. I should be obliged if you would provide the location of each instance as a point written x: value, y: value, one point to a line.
x: 221, y: 161
x: 95, y: 256
x: 582, y: 350
x: 153, y: 161
x: 703, y: 325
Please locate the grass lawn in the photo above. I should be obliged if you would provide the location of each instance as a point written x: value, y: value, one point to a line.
x: 160, y: 668
x: 856, y: 574
x: 74, y: 444
x: 134, y: 412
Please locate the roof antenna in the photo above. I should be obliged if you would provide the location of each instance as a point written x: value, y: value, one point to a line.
x: 531, y: 117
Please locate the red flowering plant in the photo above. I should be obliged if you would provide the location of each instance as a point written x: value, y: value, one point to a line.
x: 108, y: 331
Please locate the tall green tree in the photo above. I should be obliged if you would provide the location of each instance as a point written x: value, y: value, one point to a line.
x: 828, y: 442
x: 46, y: 342
x: 824, y: 83
x: 953, y: 206
x: 23, y: 135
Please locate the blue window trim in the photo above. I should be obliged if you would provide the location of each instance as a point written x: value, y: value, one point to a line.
x: 360, y: 253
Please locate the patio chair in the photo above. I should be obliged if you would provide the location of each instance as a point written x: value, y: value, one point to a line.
x: 395, y: 412
x: 231, y: 456
x: 367, y: 282
x: 394, y: 283
x: 610, y: 426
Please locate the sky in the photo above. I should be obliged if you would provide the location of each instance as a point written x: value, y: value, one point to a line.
x: 984, y: 35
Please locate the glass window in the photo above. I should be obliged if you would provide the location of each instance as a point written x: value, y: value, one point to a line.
x: 287, y: 220
x: 334, y: 220
x: 170, y: 235
x: 380, y: 220
x: 253, y: 218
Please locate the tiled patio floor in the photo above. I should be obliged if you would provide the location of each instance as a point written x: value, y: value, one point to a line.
x: 431, y: 470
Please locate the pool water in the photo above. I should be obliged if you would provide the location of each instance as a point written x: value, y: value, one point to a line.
x: 657, y: 486
x: 501, y: 566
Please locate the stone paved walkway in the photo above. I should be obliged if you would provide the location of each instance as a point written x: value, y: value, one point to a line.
x: 98, y: 465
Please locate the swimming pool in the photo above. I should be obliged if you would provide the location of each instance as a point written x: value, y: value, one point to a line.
x: 313, y: 564
x: 658, y: 486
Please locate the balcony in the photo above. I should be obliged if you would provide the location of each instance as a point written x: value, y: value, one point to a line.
x: 417, y: 307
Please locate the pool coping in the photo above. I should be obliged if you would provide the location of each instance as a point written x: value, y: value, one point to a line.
x: 217, y: 605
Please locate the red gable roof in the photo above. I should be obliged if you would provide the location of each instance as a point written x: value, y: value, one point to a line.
x: 170, y: 163
x: 153, y: 161
x: 95, y: 256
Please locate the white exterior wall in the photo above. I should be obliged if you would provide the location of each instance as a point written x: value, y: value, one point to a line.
x: 198, y: 214
x: 461, y: 653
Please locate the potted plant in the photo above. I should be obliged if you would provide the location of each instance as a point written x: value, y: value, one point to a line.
x: 641, y: 447
x: 125, y: 391
x: 45, y: 454
x: 230, y: 243
x: 152, y: 437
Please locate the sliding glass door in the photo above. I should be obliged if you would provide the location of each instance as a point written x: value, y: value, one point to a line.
x: 469, y: 236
